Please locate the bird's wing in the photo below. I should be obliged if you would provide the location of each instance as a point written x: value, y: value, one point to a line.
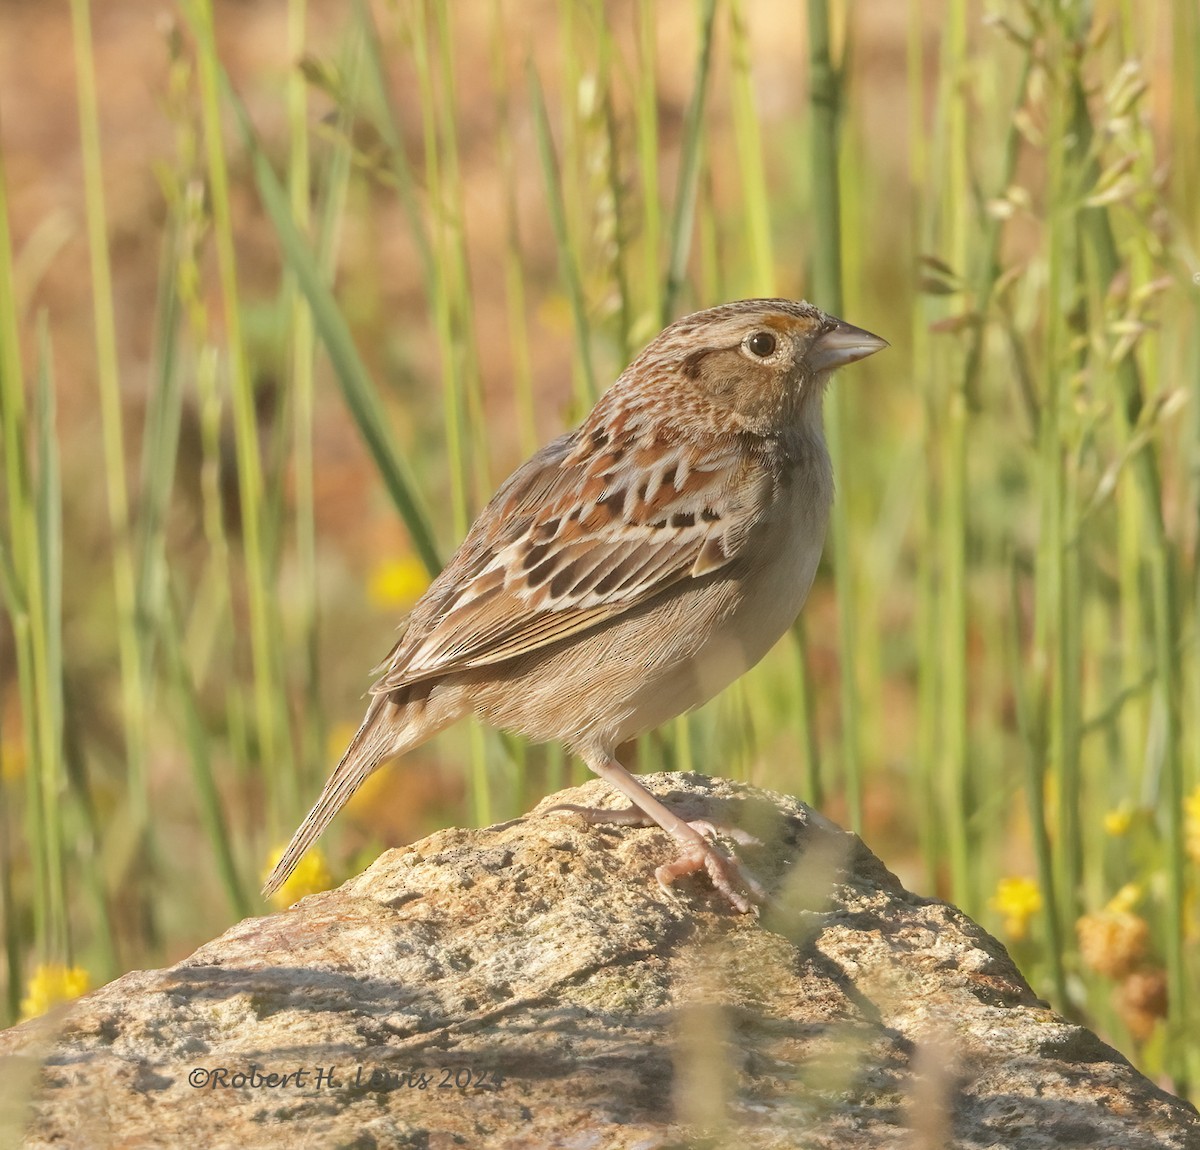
x: 582, y: 532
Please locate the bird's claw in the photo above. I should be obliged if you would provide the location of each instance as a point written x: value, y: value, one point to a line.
x: 724, y: 871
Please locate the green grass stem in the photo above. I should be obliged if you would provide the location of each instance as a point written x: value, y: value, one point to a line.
x: 271, y: 721
x: 588, y: 390
x: 134, y: 717
x: 362, y: 398
x: 825, y: 97
x: 684, y: 215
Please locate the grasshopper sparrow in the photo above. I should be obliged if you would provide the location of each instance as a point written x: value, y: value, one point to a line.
x: 632, y: 568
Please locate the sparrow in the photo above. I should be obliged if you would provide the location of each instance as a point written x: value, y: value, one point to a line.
x: 631, y: 569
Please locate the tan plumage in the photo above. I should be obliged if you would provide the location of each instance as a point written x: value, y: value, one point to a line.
x: 632, y: 568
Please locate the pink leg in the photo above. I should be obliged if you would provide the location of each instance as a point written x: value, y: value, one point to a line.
x: 698, y: 852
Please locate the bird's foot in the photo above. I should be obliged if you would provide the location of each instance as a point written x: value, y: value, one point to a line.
x: 701, y: 851
x: 725, y: 871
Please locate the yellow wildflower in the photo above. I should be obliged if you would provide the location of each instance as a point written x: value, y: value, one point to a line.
x: 1018, y: 900
x: 397, y: 583
x: 53, y: 983
x: 1118, y: 820
x: 338, y: 740
x: 1126, y: 899
x: 311, y: 875
x: 1191, y: 825
x: 12, y: 760
x: 364, y: 802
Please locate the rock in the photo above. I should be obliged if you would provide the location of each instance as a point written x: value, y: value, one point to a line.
x: 531, y: 985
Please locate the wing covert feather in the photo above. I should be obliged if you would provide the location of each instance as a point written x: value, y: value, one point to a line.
x: 580, y: 533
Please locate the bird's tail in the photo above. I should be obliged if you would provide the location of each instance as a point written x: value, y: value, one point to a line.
x: 390, y: 727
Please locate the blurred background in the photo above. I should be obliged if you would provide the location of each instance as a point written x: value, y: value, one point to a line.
x: 287, y: 288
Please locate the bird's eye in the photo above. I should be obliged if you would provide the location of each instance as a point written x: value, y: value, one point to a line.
x: 762, y: 344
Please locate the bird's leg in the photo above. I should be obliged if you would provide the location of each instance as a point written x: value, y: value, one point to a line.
x: 699, y: 853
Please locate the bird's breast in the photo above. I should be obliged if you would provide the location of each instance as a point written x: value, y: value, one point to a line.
x: 784, y: 562
x: 760, y: 603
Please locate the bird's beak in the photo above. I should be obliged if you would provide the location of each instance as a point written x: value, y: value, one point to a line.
x: 842, y: 344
